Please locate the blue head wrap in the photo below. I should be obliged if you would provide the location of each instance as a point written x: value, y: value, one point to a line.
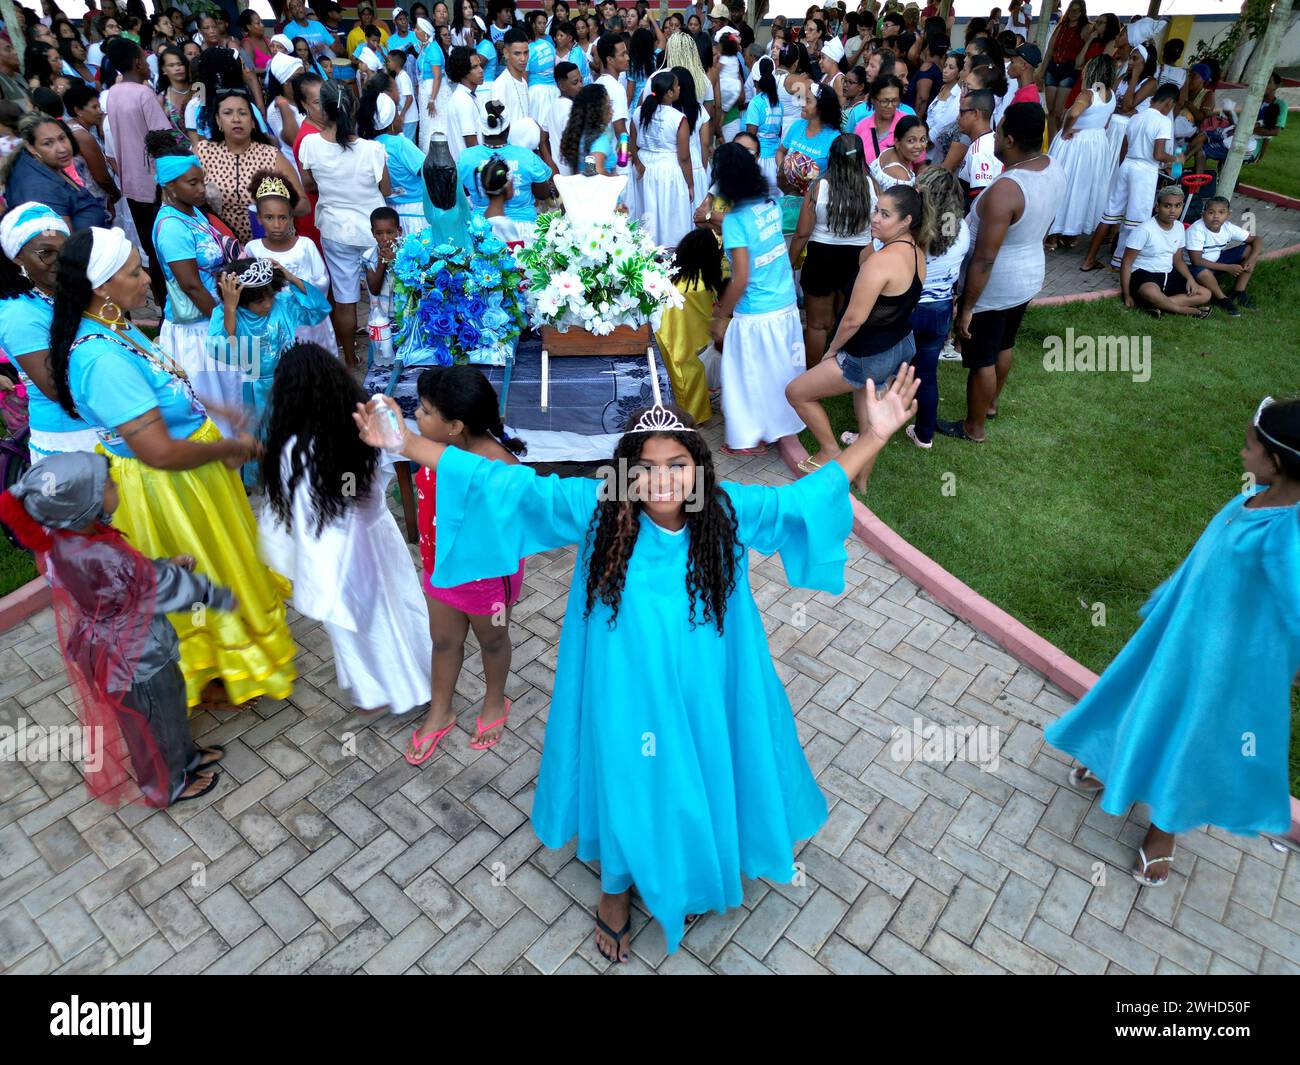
x: 170, y: 167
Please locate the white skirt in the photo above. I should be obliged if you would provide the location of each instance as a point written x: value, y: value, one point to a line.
x: 322, y: 334
x: 410, y: 215
x: 42, y: 444
x: 1116, y: 130
x: 768, y: 166
x: 214, y: 382
x: 429, y: 125
x: 1085, y: 161
x: 665, y: 202
x: 540, y: 100
x: 761, y: 354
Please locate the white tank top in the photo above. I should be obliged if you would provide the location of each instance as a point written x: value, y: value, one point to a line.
x: 822, y: 232
x: 1017, y: 274
x: 1096, y: 114
x: 659, y: 137
x: 791, y: 103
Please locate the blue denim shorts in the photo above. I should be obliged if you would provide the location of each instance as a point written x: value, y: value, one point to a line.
x: 880, y: 367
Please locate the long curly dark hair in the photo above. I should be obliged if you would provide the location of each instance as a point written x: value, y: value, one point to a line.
x: 586, y: 123
x: 713, y: 552
x: 72, y: 295
x: 368, y: 105
x: 312, y: 401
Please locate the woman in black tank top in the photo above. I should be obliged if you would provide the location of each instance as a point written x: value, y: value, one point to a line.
x: 874, y: 335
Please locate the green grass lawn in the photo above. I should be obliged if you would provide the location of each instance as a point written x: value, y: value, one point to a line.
x: 16, y: 567
x: 1279, y: 170
x: 1093, y: 487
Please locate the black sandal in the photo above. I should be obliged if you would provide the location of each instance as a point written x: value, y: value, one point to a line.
x: 615, y: 936
x: 955, y: 430
x: 1090, y: 269
x: 221, y: 753
x: 199, y: 794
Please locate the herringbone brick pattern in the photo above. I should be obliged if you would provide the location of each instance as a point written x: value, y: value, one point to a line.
x: 323, y: 851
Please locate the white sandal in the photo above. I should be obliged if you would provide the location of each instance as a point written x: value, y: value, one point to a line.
x: 1082, y: 776
x: 1142, y: 877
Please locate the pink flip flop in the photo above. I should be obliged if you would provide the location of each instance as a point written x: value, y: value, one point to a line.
x: 480, y: 728
x: 418, y: 739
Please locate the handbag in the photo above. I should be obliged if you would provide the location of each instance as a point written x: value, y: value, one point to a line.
x: 184, y: 311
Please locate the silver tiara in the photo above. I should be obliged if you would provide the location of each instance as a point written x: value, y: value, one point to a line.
x: 258, y: 274
x: 659, y: 419
x: 1268, y: 401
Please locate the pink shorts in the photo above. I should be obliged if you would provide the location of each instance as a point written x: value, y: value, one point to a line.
x: 483, y: 597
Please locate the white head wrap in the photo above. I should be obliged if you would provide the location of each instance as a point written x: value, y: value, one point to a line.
x: 1141, y: 50
x: 109, y: 250
x: 283, y: 42
x: 26, y: 222
x: 385, y: 111
x: 424, y: 26
x: 525, y: 133
x: 1145, y: 29
x: 283, y: 67
x: 371, y: 59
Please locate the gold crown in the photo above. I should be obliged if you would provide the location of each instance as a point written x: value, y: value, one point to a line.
x: 272, y: 186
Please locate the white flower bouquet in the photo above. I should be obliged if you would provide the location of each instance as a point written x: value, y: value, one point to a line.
x: 596, y: 276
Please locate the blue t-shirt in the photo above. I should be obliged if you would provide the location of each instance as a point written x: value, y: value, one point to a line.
x: 766, y: 117
x: 817, y: 148
x: 315, y: 32
x: 24, y: 329
x: 756, y: 226
x: 541, y: 62
x: 112, y: 383
x: 578, y: 58
x: 526, y: 167
x: 431, y: 57
x: 491, y: 64
x: 399, y: 42
x: 405, y: 167
x: 854, y: 115
x: 178, y: 236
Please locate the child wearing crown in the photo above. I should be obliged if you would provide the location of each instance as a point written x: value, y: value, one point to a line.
x: 671, y: 751
x: 262, y: 306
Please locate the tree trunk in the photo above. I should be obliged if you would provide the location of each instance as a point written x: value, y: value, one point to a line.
x: 754, y: 16
x: 10, y: 14
x: 1246, y: 118
x: 1153, y: 9
x: 1043, y: 27
x: 944, y: 7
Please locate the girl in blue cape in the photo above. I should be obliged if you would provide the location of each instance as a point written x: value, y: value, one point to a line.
x: 1193, y: 716
x: 261, y: 307
x: 671, y: 751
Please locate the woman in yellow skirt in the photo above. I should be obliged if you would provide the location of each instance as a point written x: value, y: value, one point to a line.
x: 684, y: 331
x: 180, y: 492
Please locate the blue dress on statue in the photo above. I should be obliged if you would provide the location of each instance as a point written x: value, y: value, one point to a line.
x: 671, y: 751
x: 1193, y: 716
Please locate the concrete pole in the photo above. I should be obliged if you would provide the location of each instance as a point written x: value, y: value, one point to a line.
x: 10, y: 15
x: 1043, y: 27
x: 1267, y: 54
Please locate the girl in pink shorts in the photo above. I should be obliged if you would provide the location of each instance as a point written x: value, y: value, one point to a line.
x: 459, y: 407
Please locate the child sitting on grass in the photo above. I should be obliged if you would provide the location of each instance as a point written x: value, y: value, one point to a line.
x: 1153, y: 274
x: 1207, y: 246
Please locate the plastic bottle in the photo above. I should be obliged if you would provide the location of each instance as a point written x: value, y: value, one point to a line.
x: 381, y: 335
x: 622, y: 149
x: 589, y: 166
x: 385, y: 420
x: 1176, y: 170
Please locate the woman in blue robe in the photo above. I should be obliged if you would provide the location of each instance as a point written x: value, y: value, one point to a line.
x: 671, y: 751
x: 1193, y: 716
x: 262, y: 305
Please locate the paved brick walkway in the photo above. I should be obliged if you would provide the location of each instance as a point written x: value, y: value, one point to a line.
x: 312, y: 858
x: 1278, y: 226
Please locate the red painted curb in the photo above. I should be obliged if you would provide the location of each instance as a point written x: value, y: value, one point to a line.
x: 1016, y: 638
x: 19, y: 605
x: 1269, y: 196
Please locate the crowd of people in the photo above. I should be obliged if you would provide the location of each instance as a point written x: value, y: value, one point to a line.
x: 844, y: 207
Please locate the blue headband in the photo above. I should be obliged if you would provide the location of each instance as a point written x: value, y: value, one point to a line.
x: 170, y: 167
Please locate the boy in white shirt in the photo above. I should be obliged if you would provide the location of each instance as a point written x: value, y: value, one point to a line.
x: 465, y: 107
x: 406, y: 107
x: 511, y: 85
x: 1208, y: 240
x: 1153, y: 274
x: 611, y: 50
x: 1149, y: 142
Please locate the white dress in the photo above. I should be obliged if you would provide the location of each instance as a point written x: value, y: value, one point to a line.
x: 275, y: 121
x: 356, y: 577
x: 1086, y: 162
x: 303, y: 260
x: 1117, y: 126
x: 729, y: 88
x: 700, y: 172
x: 665, y: 202
x: 791, y: 103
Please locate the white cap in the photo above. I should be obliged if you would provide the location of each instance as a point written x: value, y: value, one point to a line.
x: 833, y: 49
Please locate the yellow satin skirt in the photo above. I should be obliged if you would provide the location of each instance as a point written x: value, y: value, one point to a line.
x: 205, y: 513
x: 683, y: 333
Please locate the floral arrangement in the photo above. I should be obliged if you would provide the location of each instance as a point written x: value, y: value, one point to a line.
x: 454, y: 303
x: 596, y: 275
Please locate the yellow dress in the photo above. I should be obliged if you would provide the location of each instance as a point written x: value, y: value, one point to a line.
x: 204, y: 512
x: 683, y: 333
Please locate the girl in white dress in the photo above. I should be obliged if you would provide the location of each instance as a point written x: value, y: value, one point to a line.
x: 731, y: 84
x: 1082, y: 150
x: 1132, y: 94
x: 275, y: 200
x: 793, y: 83
x: 661, y: 148
x: 701, y: 129
x: 326, y: 526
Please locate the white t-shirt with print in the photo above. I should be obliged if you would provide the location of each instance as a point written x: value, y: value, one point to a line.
x: 1211, y: 244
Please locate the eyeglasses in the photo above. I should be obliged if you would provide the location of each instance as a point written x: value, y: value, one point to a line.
x: 46, y: 255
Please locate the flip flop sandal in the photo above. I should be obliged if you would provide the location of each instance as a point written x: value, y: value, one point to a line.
x: 1081, y: 777
x: 761, y: 449
x: 418, y: 740
x: 617, y: 937
x: 808, y: 465
x: 925, y: 445
x: 1090, y: 269
x: 199, y: 794
x: 848, y: 437
x: 956, y: 430
x: 479, y: 728
x: 1142, y: 877
x: 1201, y: 313
x: 221, y: 753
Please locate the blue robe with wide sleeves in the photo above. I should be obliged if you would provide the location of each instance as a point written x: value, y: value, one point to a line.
x: 671, y: 751
x: 1193, y: 716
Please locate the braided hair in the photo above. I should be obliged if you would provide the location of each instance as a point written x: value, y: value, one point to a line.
x: 713, y: 552
x: 463, y: 394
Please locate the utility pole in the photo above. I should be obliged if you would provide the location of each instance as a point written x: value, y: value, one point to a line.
x: 1246, y: 118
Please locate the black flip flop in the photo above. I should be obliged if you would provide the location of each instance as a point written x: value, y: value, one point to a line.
x: 198, y: 795
x: 956, y: 430
x: 1090, y: 269
x: 221, y: 753
x: 615, y: 936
